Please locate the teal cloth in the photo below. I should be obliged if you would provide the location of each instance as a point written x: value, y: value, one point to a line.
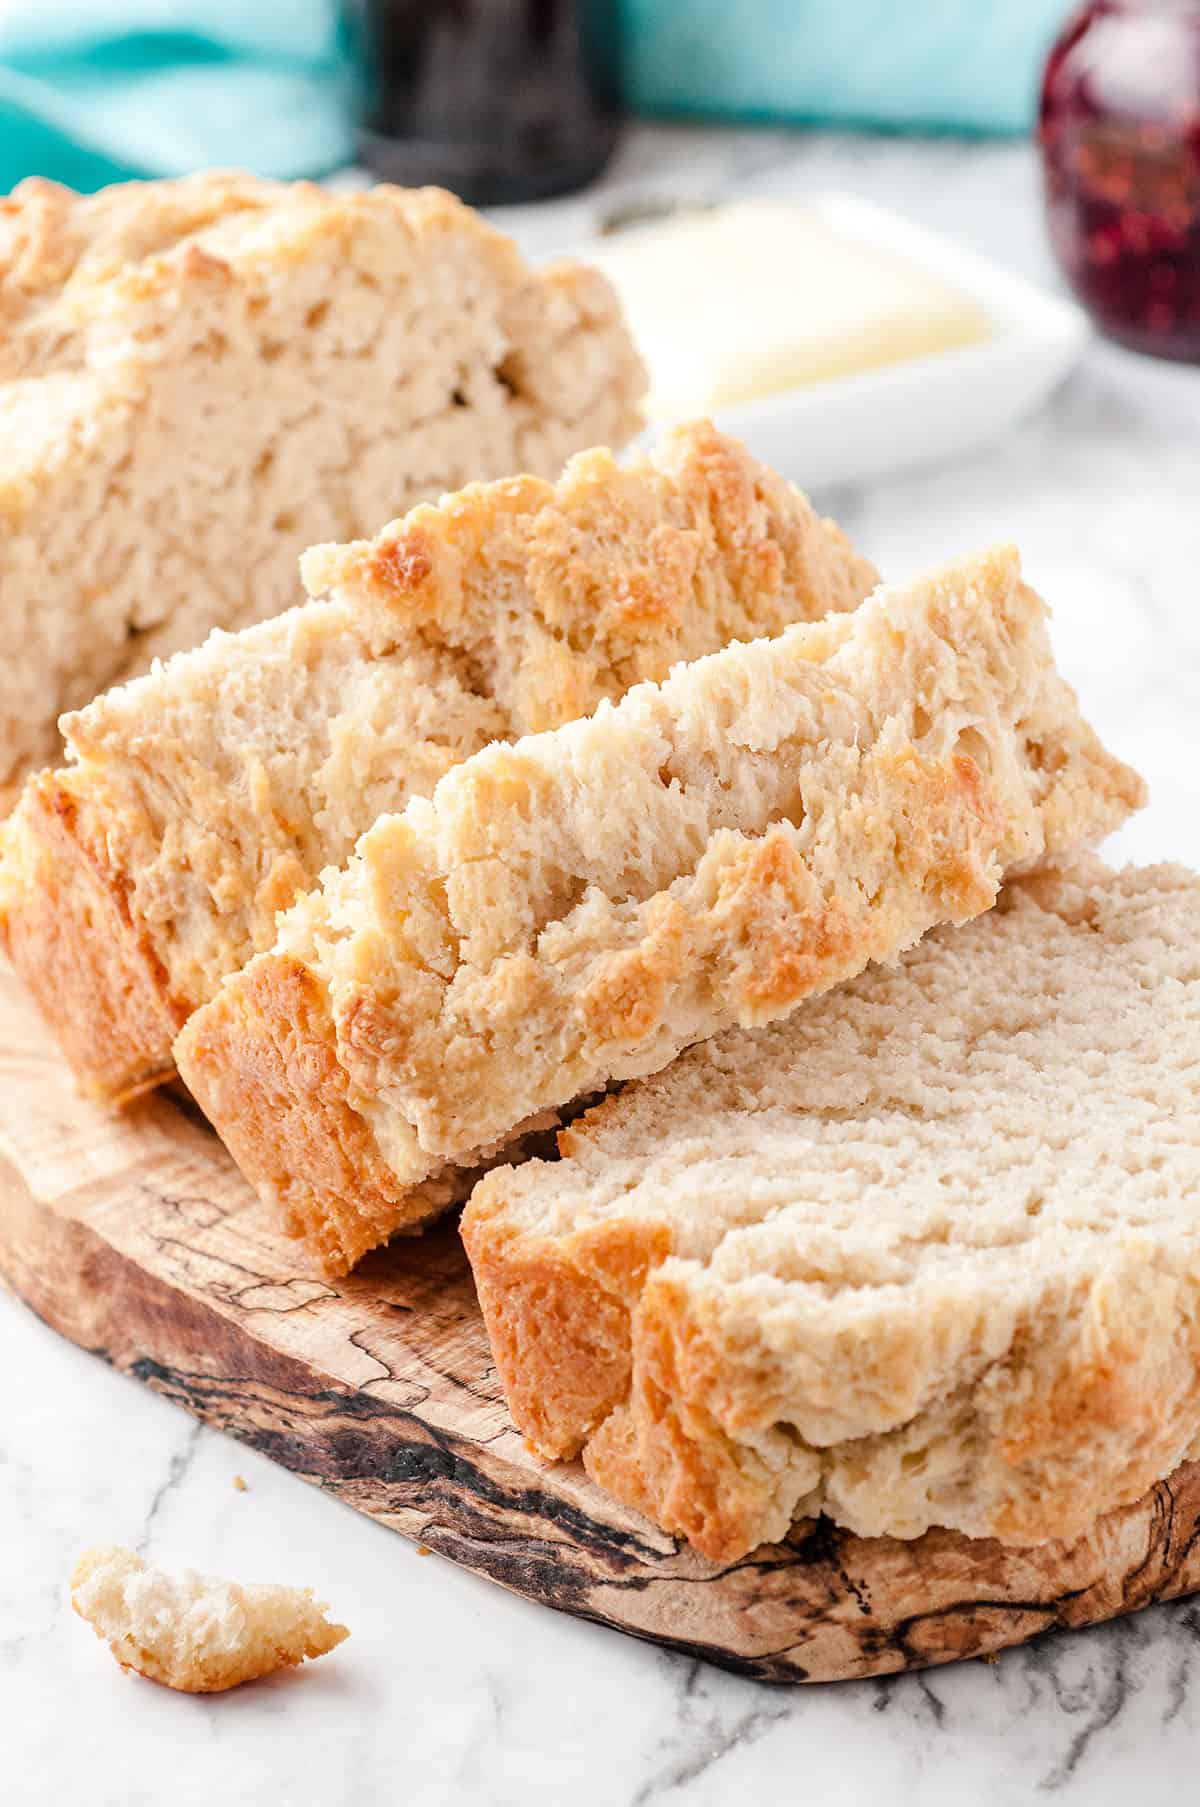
x: 941, y: 65
x: 96, y: 91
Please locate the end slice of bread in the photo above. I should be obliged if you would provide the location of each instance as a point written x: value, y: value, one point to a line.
x: 577, y: 907
x: 208, y: 795
x: 200, y: 377
x: 192, y: 1632
x: 928, y: 1254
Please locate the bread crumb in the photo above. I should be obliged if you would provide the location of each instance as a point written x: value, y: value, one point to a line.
x: 240, y: 1484
x: 423, y: 1549
x: 193, y: 1632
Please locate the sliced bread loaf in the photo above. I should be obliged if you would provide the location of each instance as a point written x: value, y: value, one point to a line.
x: 926, y: 1254
x: 579, y: 906
x: 199, y: 378
x: 207, y: 795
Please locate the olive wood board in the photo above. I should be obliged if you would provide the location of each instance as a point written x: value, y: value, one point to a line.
x: 136, y: 1237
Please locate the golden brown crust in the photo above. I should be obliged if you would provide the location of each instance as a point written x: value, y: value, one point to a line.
x: 1097, y: 1428
x: 569, y: 1335
x: 788, y: 938
x: 668, y: 1455
x: 559, y: 1326
x: 86, y: 958
x: 571, y: 1321
x: 262, y: 1061
x: 628, y: 570
x: 1117, y: 1388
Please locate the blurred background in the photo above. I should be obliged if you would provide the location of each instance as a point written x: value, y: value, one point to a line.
x: 1058, y: 146
x: 98, y: 89
x: 512, y: 101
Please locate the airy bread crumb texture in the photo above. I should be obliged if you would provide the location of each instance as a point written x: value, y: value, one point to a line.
x: 208, y: 795
x: 194, y: 1633
x: 576, y: 908
x: 200, y: 377
x: 928, y: 1254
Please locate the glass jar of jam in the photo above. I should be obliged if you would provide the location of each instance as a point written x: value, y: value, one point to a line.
x: 1120, y: 139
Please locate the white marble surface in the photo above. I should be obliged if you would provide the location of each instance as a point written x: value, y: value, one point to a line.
x: 449, y: 1691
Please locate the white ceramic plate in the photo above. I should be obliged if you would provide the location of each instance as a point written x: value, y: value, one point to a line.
x: 927, y: 409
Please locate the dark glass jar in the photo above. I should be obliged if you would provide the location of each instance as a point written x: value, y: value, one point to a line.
x: 1120, y: 140
x: 499, y: 100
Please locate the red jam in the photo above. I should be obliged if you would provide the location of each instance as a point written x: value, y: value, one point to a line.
x: 1120, y: 138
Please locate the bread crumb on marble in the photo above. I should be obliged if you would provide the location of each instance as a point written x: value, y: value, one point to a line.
x: 193, y: 1632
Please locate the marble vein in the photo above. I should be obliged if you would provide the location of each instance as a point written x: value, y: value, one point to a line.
x: 177, y: 1469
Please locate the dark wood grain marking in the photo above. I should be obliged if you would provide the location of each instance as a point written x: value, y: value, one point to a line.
x: 138, y: 1240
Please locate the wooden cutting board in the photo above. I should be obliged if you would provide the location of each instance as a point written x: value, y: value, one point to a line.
x: 137, y: 1238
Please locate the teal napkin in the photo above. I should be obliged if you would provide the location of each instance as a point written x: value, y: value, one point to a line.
x: 96, y: 91
x: 943, y: 65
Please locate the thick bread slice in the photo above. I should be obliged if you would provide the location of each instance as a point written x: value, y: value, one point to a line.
x: 209, y: 794
x: 578, y: 907
x: 199, y: 378
x: 926, y: 1254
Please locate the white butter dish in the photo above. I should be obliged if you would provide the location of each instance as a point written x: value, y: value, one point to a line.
x: 922, y: 409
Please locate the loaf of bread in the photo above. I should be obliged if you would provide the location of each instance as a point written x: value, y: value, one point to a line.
x: 577, y: 907
x: 192, y: 1632
x: 207, y: 795
x: 199, y: 378
x: 928, y: 1254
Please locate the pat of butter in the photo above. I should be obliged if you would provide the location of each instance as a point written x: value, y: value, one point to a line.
x: 756, y: 297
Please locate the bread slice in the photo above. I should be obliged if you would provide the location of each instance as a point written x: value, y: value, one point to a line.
x: 199, y: 378
x: 209, y: 794
x: 926, y: 1254
x: 194, y: 1633
x: 577, y: 907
